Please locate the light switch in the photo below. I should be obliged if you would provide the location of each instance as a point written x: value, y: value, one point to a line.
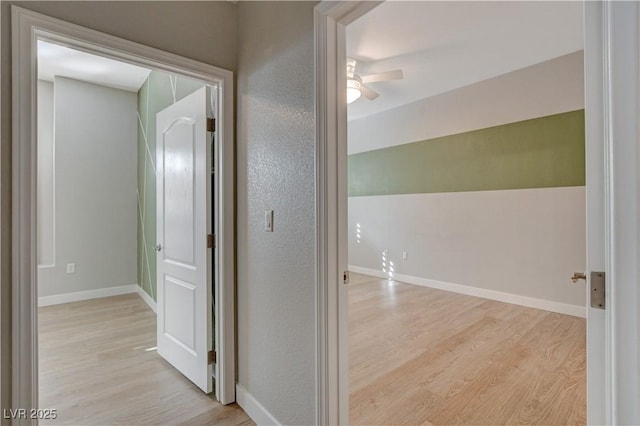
x: 268, y: 221
x: 71, y: 268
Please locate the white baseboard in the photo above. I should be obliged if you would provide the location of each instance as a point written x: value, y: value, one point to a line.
x: 87, y: 295
x: 147, y: 299
x: 253, y: 408
x: 530, y: 302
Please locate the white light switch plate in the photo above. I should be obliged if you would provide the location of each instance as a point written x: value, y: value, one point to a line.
x: 71, y: 268
x: 268, y: 221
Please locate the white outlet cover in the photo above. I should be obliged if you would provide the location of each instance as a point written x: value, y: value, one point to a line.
x: 71, y: 268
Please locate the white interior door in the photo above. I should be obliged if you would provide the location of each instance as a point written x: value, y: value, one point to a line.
x: 183, y: 223
x: 595, y: 152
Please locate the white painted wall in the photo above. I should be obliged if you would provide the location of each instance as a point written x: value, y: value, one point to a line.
x: 522, y: 242
x: 547, y: 88
x: 95, y: 189
x: 45, y: 184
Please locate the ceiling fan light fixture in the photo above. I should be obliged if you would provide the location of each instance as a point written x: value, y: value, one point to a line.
x: 353, y: 90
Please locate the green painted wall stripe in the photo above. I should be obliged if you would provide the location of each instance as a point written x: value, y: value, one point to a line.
x: 539, y: 153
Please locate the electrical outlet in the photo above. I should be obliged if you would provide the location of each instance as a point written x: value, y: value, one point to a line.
x: 404, y: 255
x: 71, y: 268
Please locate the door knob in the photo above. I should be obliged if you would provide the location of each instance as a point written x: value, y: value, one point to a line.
x: 578, y: 276
x: 158, y: 247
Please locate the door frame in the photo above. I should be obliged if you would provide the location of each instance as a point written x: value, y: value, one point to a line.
x: 612, y: 101
x: 612, y: 117
x: 27, y: 28
x: 332, y: 376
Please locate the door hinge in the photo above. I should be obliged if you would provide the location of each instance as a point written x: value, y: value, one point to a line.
x: 597, y: 285
x: 211, y: 241
x: 211, y: 357
x: 211, y: 124
x: 345, y: 277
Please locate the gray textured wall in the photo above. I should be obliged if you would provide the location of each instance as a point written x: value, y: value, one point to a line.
x: 204, y: 31
x: 276, y: 140
x: 95, y: 188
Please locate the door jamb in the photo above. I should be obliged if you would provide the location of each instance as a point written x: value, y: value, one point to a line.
x: 332, y: 370
x: 27, y: 28
x: 615, y: 90
x: 330, y: 18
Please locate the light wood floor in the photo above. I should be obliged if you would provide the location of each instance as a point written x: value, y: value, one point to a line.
x: 98, y: 365
x: 424, y: 356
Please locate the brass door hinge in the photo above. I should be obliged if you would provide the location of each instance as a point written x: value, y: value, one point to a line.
x: 211, y: 124
x: 211, y: 241
x: 211, y: 359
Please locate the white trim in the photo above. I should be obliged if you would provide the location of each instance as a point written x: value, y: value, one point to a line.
x: 27, y: 28
x: 47, y: 266
x: 254, y: 409
x: 77, y: 296
x: 515, y: 299
x: 621, y: 57
x: 332, y: 364
x: 597, y: 207
x: 147, y: 299
x: 53, y: 195
x: 5, y: 332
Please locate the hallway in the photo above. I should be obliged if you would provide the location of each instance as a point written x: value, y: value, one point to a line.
x: 98, y: 365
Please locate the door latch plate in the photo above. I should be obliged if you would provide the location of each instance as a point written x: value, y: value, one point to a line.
x: 597, y: 285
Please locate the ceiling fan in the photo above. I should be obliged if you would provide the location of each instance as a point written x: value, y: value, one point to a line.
x: 356, y: 83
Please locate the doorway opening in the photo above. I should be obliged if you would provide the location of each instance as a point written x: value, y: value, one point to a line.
x: 466, y: 214
x: 98, y: 233
x: 605, y: 76
x: 92, y: 176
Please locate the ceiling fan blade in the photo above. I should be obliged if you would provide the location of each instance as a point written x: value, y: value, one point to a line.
x: 383, y: 76
x: 368, y: 93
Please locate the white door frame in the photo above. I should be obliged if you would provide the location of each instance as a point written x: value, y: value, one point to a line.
x: 330, y: 19
x: 608, y: 28
x: 27, y: 28
x: 612, y: 96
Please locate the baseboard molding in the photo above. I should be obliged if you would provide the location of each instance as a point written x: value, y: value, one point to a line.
x: 87, y: 295
x: 253, y: 408
x: 147, y: 299
x: 530, y: 302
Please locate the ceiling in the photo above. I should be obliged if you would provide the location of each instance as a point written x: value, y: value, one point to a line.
x: 441, y: 46
x: 54, y: 59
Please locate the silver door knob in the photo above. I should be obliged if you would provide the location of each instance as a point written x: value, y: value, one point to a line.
x: 578, y: 276
x: 157, y: 247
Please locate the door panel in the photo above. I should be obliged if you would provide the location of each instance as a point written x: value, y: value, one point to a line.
x: 177, y: 325
x: 185, y: 331
x: 597, y: 390
x: 179, y: 187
